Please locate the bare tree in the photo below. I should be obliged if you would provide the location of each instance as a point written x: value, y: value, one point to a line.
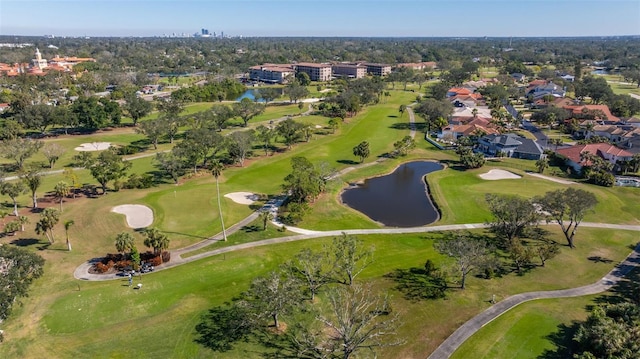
x: 358, y: 320
x: 271, y: 296
x: 312, y: 268
x: 347, y: 258
x: 52, y: 151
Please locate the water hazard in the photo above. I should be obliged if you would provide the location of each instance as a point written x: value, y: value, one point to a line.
x: 399, y: 199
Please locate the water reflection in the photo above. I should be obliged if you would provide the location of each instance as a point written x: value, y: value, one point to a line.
x: 399, y: 199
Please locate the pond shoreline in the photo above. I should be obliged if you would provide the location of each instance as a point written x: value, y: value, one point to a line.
x: 377, y: 215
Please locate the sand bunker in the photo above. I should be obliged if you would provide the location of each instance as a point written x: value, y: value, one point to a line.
x: 242, y: 197
x: 318, y: 126
x: 499, y: 175
x: 138, y: 216
x: 93, y: 146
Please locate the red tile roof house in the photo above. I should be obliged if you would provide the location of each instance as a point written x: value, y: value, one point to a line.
x: 4, y: 107
x: 609, y: 117
x: 606, y: 151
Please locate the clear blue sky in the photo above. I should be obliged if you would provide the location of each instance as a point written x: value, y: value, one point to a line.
x: 424, y: 18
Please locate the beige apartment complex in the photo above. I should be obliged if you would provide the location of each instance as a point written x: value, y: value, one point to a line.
x: 349, y: 70
x: 316, y: 72
x: 272, y: 73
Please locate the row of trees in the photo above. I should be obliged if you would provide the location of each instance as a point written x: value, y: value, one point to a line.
x: 354, y: 320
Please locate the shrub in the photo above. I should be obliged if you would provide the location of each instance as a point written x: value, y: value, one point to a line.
x: 100, y: 267
x: 12, y: 227
x: 166, y: 256
x: 139, y: 181
x: 155, y: 261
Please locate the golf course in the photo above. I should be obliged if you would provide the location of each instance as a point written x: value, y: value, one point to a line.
x: 65, y: 317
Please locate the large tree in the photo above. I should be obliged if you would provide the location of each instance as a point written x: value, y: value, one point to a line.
x: 295, y: 91
x: 290, y: 130
x: 154, y: 130
x: 239, y: 145
x: 247, y: 109
x: 171, y: 164
x: 568, y: 207
x: 434, y: 112
x: 265, y: 135
x: 362, y: 150
x: 269, y: 94
x: 469, y: 254
x: 22, y: 268
x: 108, y: 166
x: 13, y: 190
x: 512, y: 215
x: 304, y: 183
x: 20, y: 149
x: 137, y: 107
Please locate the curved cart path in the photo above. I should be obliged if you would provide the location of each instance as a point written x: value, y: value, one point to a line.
x: 455, y: 340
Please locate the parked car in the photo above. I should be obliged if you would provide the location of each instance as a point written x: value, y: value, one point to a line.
x: 146, y: 268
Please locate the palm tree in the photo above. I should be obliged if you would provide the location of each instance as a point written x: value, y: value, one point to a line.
x: 33, y: 179
x: 265, y: 216
x: 68, y: 225
x: 124, y: 241
x: 48, y: 219
x: 23, y: 220
x: 61, y: 190
x: 216, y: 171
x: 156, y: 240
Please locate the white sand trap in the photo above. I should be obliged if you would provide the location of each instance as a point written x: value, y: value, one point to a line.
x: 242, y: 197
x: 138, y: 216
x: 499, y: 175
x: 93, y: 146
x: 318, y: 126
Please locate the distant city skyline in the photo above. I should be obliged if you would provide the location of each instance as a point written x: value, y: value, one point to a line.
x: 373, y: 18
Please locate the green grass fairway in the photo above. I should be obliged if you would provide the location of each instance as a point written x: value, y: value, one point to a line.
x: 525, y: 332
x: 64, y: 317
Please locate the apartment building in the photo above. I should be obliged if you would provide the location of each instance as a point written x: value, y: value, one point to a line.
x: 316, y: 72
x: 377, y: 69
x: 272, y: 73
x: 349, y: 70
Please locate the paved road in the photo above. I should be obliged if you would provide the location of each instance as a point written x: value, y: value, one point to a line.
x: 453, y: 342
x: 82, y: 271
x: 412, y: 122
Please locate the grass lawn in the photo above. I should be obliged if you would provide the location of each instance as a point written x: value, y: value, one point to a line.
x: 164, y: 312
x: 64, y: 317
x: 527, y: 331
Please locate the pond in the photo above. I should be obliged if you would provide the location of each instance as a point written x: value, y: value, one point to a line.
x: 250, y: 94
x: 399, y: 199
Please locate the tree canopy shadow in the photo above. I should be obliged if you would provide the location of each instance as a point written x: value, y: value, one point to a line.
x: 598, y: 259
x: 348, y: 162
x: 419, y: 126
x: 250, y: 228
x: 221, y: 327
x: 416, y: 284
x: 25, y: 242
x: 563, y: 341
